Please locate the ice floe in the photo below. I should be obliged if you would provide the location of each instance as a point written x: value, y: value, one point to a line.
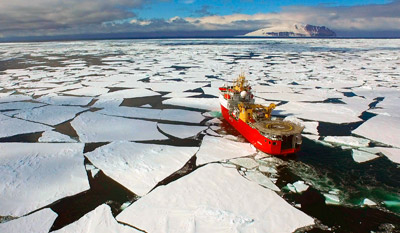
x: 298, y: 186
x: 177, y: 115
x: 181, y: 115
x: 247, y: 163
x: 128, y: 93
x: 53, y: 136
x: 100, y: 220
x: 19, y: 105
x: 50, y: 115
x: 38, y: 222
x: 88, y: 91
x: 12, y: 126
x: 211, y: 104
x: 391, y: 153
x: 362, y: 156
x: 384, y: 129
x: 64, y: 100
x: 202, y: 202
x: 333, y: 113
x: 215, y: 149
x: 14, y: 98
x: 368, y: 202
x: 139, y: 167
x: 37, y: 174
x: 95, y: 127
x: 347, y: 140
x: 181, y: 131
x: 331, y: 199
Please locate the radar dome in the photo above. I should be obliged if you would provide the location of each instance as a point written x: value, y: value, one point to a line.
x: 243, y: 94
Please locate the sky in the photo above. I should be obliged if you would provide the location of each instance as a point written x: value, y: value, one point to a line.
x: 66, y: 18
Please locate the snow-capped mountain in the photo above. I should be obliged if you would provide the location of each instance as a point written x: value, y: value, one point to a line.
x: 293, y: 30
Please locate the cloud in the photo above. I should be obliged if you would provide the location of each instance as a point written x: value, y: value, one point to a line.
x: 50, y: 17
x: 366, y: 17
x: 19, y: 16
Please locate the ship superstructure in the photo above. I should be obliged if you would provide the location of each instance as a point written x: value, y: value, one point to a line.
x: 254, y: 122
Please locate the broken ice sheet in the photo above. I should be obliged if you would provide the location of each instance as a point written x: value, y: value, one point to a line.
x: 181, y: 131
x: 64, y: 100
x: 139, y: 167
x: 128, y: 93
x: 347, y: 140
x: 14, y: 98
x: 298, y: 186
x: 247, y: 163
x: 19, y: 105
x: 177, y: 115
x: 213, y: 199
x: 51, y: 115
x: 214, y: 149
x: 261, y: 179
x: 391, y: 153
x: 99, y: 220
x: 95, y: 127
x: 211, y: 104
x: 325, y: 112
x: 38, y: 222
x: 384, y: 129
x: 37, y: 174
x: 362, y: 156
x: 53, y: 136
x: 88, y: 91
x: 331, y: 199
x: 10, y: 127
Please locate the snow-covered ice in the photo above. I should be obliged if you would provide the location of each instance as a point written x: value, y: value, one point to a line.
x: 247, y: 163
x: 213, y: 199
x: 391, y: 153
x: 95, y: 127
x: 262, y: 180
x: 64, y: 100
x: 38, y: 222
x: 214, y: 149
x: 128, y: 93
x: 87, y: 91
x: 380, y: 128
x: 139, y: 167
x: 181, y: 131
x: 37, y: 174
x: 19, y: 105
x: 333, y: 113
x: 99, y: 220
x: 11, y: 126
x: 50, y: 115
x: 211, y: 104
x: 178, y: 115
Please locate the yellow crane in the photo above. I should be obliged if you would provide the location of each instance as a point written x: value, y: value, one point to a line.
x: 253, y: 111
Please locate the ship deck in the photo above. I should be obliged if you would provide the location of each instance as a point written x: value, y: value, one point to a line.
x: 277, y: 127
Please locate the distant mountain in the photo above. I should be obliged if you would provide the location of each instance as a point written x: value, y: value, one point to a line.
x: 293, y: 30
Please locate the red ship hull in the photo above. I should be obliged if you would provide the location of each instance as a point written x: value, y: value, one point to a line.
x: 254, y: 137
